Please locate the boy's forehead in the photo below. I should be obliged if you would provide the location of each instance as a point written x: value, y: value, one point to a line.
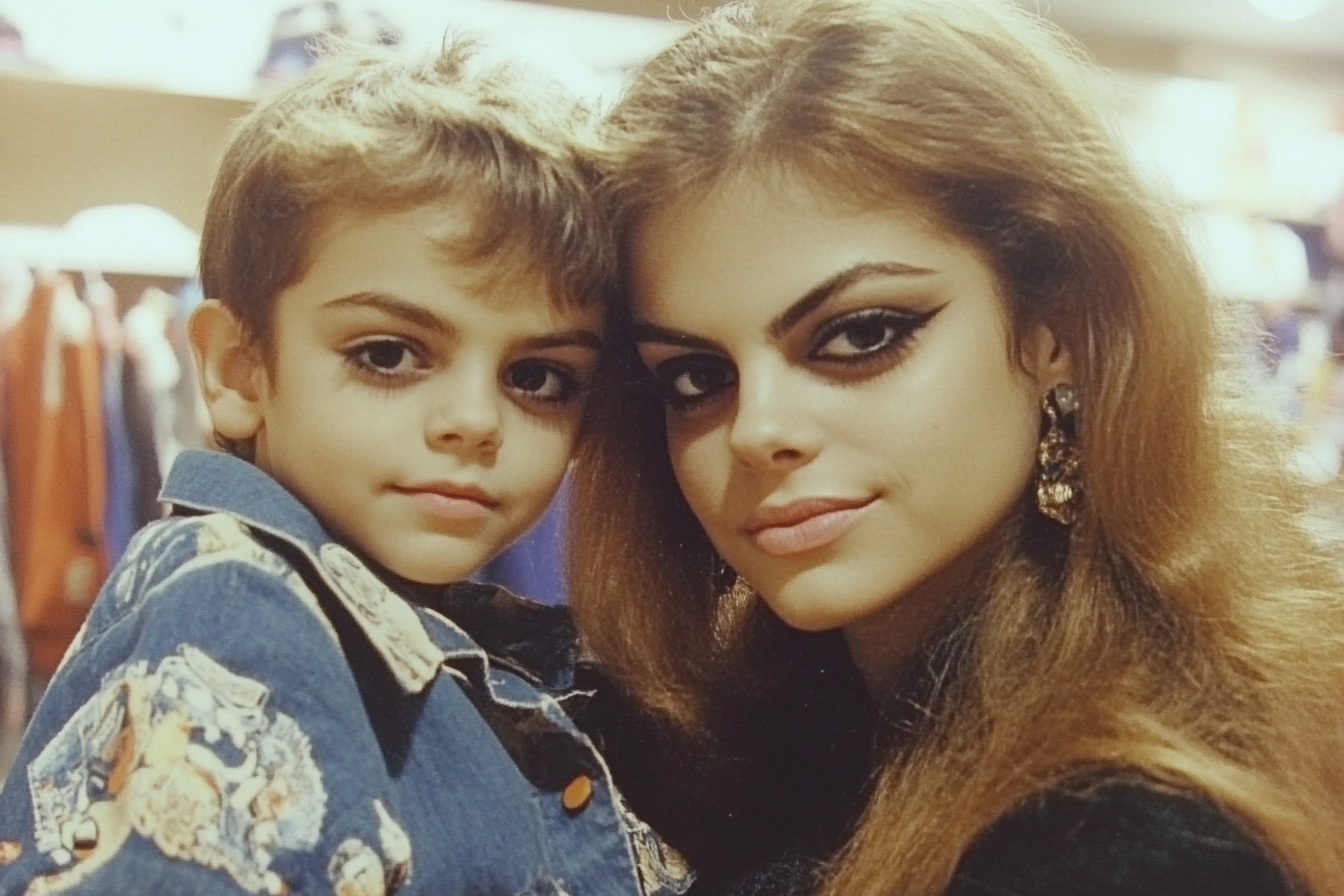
x: 512, y: 278
x: 497, y: 268
x: 510, y: 284
x: 501, y: 266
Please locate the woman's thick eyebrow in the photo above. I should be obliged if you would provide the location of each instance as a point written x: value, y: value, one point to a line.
x: 578, y: 338
x: 789, y: 318
x: 837, y: 283
x: 654, y: 333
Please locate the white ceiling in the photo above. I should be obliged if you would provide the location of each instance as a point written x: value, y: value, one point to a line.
x: 1234, y: 23
x: 214, y: 48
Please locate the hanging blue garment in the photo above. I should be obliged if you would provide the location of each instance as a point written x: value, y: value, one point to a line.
x: 119, y: 517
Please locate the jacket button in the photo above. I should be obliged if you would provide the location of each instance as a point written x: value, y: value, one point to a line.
x: 10, y: 850
x: 85, y: 838
x: 578, y: 794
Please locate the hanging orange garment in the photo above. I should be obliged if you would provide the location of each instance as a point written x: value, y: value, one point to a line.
x: 55, y: 464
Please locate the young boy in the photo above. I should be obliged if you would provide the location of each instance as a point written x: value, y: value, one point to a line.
x: 271, y: 694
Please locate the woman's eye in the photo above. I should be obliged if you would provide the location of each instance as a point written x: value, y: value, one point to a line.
x: 865, y: 334
x: 541, y: 381
x: 692, y: 378
x: 386, y: 357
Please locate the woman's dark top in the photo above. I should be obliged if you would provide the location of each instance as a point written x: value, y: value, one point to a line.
x: 1124, y: 838
x: 784, y: 790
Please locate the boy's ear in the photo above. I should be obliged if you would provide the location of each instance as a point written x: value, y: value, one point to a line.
x: 232, y: 370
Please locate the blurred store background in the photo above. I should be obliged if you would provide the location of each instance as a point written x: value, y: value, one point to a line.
x: 113, y: 114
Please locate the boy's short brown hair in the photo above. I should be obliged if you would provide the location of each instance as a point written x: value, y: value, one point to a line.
x: 370, y: 130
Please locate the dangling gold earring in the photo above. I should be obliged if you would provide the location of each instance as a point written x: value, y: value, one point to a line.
x: 1059, y: 484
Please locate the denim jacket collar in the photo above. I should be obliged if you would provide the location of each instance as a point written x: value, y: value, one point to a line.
x: 414, y: 641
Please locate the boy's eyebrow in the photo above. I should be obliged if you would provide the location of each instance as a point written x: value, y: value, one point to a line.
x: 838, y: 282
x: 422, y: 317
x: 407, y: 311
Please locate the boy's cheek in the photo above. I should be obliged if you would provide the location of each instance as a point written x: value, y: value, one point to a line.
x: 541, y: 463
x: 546, y: 467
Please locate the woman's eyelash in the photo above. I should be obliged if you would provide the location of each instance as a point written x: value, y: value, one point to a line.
x: 861, y: 337
x: 689, y: 380
x: 866, y: 335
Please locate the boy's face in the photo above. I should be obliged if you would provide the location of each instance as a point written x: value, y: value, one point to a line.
x: 425, y: 418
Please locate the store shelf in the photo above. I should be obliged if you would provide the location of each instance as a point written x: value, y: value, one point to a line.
x: 64, y: 147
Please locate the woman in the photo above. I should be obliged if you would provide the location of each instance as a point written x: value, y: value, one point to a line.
x: 920, y: 375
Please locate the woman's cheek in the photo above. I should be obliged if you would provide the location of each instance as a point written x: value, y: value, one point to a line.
x: 700, y: 467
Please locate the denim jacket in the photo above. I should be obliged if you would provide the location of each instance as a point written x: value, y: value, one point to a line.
x: 249, y: 708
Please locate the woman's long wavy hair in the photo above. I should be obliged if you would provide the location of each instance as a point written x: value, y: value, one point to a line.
x: 1189, y: 625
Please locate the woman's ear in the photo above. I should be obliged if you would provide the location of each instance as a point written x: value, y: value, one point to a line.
x: 1045, y: 357
x: 232, y: 371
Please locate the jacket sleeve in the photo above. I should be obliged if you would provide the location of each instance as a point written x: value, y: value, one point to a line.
x: 1120, y: 839
x: 208, y: 739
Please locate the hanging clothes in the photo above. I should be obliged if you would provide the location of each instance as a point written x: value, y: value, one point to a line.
x: 119, y: 511
x: 55, y: 466
x: 137, y: 404
x: 152, y: 373
x: 191, y: 420
x: 158, y: 369
x: 13, y: 652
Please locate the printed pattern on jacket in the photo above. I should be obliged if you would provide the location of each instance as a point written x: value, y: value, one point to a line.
x: 250, y: 709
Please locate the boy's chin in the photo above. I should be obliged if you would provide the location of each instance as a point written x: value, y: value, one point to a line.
x: 418, y: 574
x: 433, y: 566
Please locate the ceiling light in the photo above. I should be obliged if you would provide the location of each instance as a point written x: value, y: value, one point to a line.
x: 1288, y: 10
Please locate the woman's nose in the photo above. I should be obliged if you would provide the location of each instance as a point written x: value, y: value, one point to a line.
x: 770, y: 431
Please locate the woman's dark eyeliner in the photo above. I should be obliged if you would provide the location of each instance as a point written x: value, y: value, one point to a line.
x: 872, y: 333
x: 688, y: 380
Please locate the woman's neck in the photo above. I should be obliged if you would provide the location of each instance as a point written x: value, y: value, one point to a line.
x: 883, y: 643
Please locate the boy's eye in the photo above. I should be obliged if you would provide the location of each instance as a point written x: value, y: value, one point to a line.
x: 541, y: 381
x: 386, y: 357
x: 688, y: 379
x: 866, y: 334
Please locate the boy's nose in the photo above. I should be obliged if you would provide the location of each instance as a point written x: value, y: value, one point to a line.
x: 466, y: 415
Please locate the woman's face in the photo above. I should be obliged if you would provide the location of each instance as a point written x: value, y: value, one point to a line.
x: 843, y: 412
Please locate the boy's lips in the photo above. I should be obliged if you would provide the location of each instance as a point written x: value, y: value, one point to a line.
x: 803, y: 525
x: 450, y: 501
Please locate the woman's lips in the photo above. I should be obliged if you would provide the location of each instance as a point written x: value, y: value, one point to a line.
x: 804, y: 525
